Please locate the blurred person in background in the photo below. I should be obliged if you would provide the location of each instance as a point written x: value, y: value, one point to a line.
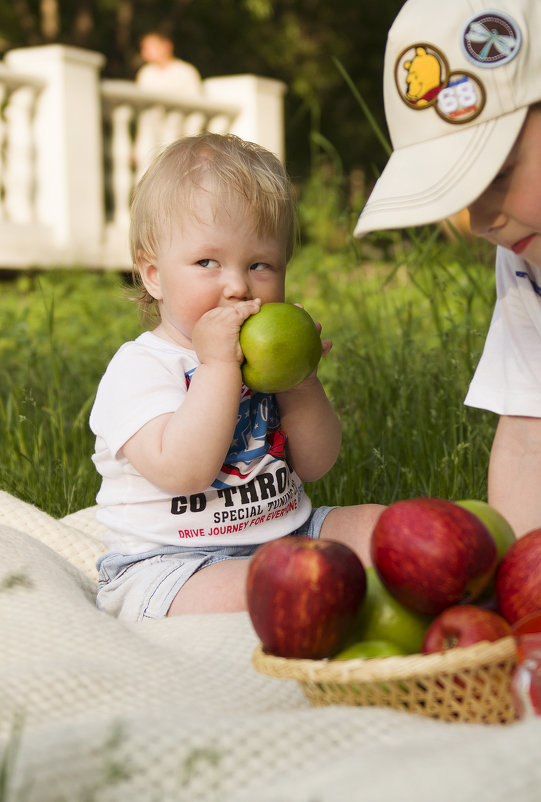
x: 162, y: 70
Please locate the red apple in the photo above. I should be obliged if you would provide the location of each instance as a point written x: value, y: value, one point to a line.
x: 529, y: 625
x: 463, y: 625
x: 303, y: 595
x: 518, y: 579
x: 431, y: 554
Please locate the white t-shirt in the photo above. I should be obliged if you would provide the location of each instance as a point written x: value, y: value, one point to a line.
x: 508, y: 377
x: 177, y: 78
x: 255, y: 498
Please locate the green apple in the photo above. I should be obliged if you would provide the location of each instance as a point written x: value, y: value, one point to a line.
x: 497, y: 525
x: 382, y: 617
x: 368, y: 649
x: 281, y: 347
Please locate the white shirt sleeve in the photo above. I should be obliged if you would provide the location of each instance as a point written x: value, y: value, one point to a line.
x: 508, y: 377
x: 140, y: 384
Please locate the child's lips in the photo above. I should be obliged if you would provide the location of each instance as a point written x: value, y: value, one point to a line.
x: 520, y: 246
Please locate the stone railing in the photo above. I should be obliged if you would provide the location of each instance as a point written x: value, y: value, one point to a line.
x: 73, y: 145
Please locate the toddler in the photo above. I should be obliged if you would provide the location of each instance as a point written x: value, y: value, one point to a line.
x: 197, y: 469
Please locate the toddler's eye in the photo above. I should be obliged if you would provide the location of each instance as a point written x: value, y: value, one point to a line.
x: 207, y: 263
x: 259, y: 266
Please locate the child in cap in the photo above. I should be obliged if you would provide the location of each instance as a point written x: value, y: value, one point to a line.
x: 462, y: 92
x: 197, y: 469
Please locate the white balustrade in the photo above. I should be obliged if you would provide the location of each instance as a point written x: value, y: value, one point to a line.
x: 121, y: 163
x: 19, y: 165
x: 18, y: 96
x: 72, y: 147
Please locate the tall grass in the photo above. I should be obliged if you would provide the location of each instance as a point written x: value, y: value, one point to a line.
x: 406, y: 340
x: 59, y: 330
x: 407, y: 315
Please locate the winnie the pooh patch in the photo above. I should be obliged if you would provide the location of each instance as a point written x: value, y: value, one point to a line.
x: 424, y: 73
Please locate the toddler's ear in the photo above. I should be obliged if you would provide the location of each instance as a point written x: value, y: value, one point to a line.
x: 149, y: 275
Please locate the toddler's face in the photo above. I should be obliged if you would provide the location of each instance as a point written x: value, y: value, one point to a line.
x: 508, y: 213
x: 210, y: 262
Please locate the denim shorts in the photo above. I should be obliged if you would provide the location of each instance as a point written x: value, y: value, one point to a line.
x: 138, y: 587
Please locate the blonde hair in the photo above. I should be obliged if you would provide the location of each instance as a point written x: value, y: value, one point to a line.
x: 226, y: 168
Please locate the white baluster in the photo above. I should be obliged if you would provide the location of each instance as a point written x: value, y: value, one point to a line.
x: 148, y: 137
x: 121, y: 163
x: 194, y: 123
x: 173, y: 126
x: 19, y: 159
x: 3, y: 132
x: 219, y: 124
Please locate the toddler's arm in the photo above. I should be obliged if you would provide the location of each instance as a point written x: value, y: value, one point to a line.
x: 314, y: 433
x: 184, y: 451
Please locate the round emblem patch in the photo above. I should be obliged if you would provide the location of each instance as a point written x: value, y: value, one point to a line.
x: 491, y: 39
x: 421, y: 71
x: 462, y: 99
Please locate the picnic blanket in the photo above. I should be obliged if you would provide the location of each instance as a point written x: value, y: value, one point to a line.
x: 93, y: 709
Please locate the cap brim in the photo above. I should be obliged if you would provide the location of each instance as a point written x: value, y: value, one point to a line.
x: 429, y: 181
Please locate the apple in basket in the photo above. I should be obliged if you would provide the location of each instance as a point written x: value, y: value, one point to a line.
x: 431, y: 553
x: 303, y: 595
x: 370, y: 649
x: 463, y: 625
x: 502, y: 532
x: 498, y: 526
x: 281, y: 346
x: 382, y: 618
x: 518, y: 578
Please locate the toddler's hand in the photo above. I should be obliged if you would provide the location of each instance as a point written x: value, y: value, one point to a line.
x: 215, y: 336
x: 326, y: 346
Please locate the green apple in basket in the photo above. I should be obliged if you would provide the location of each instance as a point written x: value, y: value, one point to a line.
x: 382, y: 618
x: 281, y: 346
x: 500, y: 529
x: 369, y: 649
x: 497, y: 525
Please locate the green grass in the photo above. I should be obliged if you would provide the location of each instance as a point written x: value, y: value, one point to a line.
x: 407, y: 332
x: 407, y: 336
x: 60, y: 329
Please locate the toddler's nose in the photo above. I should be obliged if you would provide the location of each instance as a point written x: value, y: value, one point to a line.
x: 236, y: 286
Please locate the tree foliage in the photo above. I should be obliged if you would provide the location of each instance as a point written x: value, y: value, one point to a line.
x: 296, y: 41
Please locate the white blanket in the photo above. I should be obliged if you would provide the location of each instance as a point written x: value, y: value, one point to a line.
x: 92, y: 709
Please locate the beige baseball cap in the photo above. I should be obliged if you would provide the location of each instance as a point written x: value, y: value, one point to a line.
x: 459, y: 76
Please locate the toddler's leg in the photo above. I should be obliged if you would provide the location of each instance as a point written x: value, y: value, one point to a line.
x: 353, y: 526
x: 221, y: 587
x: 218, y: 588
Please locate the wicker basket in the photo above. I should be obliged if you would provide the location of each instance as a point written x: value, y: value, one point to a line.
x: 464, y: 684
